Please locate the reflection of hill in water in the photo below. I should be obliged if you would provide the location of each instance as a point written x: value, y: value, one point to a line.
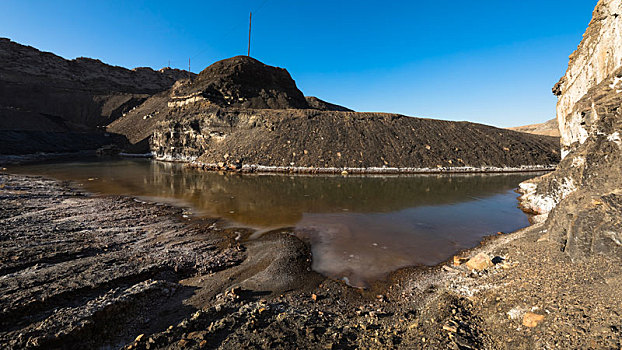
x: 360, y: 228
x: 269, y: 200
x: 273, y: 200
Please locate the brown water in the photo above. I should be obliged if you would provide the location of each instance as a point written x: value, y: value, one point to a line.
x: 360, y: 227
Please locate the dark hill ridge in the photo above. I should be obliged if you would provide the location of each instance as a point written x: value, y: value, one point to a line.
x: 237, y: 109
x: 322, y: 105
x: 240, y: 110
x: 24, y: 64
x: 244, y: 82
x: 291, y: 139
x: 51, y: 101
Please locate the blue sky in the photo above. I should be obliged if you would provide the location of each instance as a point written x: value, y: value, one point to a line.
x: 487, y: 61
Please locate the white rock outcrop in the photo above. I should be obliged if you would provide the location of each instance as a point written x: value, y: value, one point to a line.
x: 596, y: 58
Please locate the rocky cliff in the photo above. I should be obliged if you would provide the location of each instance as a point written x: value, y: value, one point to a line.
x: 583, y: 197
x: 45, y: 95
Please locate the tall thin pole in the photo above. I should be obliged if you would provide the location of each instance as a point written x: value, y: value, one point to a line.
x: 250, y: 19
x: 188, y: 64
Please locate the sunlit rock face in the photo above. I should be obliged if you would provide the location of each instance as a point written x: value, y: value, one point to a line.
x: 583, y: 197
x: 596, y: 59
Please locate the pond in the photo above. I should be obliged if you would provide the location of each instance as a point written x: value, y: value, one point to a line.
x: 360, y: 227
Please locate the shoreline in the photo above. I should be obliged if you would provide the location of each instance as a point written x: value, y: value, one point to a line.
x: 256, y: 168
x: 266, y: 169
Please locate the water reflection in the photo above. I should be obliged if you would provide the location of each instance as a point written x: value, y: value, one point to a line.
x: 360, y: 228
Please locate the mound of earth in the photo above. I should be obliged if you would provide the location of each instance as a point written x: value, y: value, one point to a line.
x: 45, y: 93
x: 322, y: 105
x: 242, y: 82
x: 237, y: 82
x: 548, y: 128
x: 331, y: 139
x: 241, y: 111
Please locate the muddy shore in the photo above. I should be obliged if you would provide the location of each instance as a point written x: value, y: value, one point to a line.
x: 90, y: 271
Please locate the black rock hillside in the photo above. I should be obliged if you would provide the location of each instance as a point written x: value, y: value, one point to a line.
x: 244, y: 82
x: 243, y: 111
x: 49, y: 104
x: 239, y: 82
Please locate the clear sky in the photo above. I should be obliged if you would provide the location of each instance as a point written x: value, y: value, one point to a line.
x: 487, y: 61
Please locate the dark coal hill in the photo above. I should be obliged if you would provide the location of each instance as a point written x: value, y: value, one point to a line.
x: 65, y: 102
x: 244, y: 82
x: 241, y: 111
x: 334, y: 139
x: 238, y: 110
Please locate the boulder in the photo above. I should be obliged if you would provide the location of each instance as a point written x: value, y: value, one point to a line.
x: 479, y: 262
x: 531, y: 320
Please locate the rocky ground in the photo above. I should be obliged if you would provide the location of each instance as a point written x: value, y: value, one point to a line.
x: 80, y: 271
x: 85, y: 271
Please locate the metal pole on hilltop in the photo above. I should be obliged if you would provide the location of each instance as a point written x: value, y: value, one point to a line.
x: 250, y: 18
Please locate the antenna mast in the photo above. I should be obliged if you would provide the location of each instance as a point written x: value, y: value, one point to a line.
x: 250, y: 18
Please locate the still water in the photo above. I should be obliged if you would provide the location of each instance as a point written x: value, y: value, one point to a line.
x: 360, y: 227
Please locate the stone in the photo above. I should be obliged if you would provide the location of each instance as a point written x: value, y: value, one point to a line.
x: 196, y: 335
x: 532, y: 320
x: 479, y: 262
x: 451, y: 329
x: 139, y: 338
x: 314, y: 297
x: 497, y: 260
x: 458, y: 260
x: 450, y: 269
x: 543, y: 238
